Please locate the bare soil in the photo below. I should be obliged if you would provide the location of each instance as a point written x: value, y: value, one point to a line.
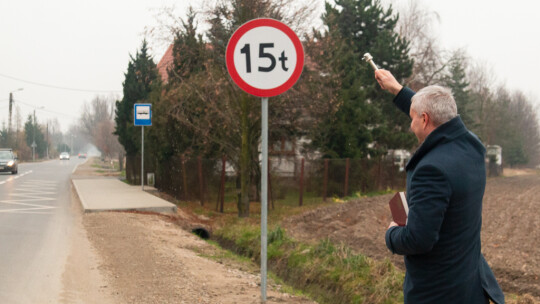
x: 149, y: 258
x: 510, y: 230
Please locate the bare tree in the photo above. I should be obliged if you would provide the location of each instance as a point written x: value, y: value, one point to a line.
x: 99, y: 109
x: 482, y: 82
x: 417, y: 25
x: 216, y: 117
x: 97, y: 125
x: 301, y: 16
x: 105, y: 140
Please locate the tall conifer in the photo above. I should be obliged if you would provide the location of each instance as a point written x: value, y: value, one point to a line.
x: 140, y: 78
x: 366, y: 122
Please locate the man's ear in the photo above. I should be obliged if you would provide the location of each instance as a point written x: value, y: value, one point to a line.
x: 426, y: 120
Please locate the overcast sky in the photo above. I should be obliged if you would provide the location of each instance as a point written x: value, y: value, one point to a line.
x: 503, y: 34
x: 65, y: 52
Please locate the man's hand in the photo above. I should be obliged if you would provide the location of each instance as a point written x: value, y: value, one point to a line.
x: 387, y: 81
x: 392, y: 224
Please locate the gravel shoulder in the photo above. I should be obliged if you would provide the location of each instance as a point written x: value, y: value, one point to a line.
x: 149, y: 258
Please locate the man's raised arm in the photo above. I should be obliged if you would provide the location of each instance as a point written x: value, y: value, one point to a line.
x: 388, y: 82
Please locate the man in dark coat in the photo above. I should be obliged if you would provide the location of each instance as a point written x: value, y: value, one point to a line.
x: 446, y: 178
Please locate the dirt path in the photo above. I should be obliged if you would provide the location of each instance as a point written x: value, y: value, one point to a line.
x: 150, y: 260
x: 83, y: 282
x: 510, y: 230
x: 145, y: 258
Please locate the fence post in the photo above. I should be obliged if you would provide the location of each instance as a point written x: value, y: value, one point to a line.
x: 346, y: 177
x: 379, y: 175
x: 184, y: 176
x: 325, y: 188
x: 392, y: 174
x: 222, y: 188
x: 199, y: 165
x: 301, y: 197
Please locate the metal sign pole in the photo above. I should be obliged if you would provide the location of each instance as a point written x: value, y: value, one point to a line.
x: 264, y: 196
x: 142, y: 157
x: 264, y: 81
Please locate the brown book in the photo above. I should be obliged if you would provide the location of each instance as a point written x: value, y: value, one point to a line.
x: 399, y: 208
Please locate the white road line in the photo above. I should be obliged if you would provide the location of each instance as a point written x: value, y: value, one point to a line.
x: 14, y: 178
x: 30, y: 197
x: 30, y: 212
x: 78, y: 165
x: 27, y: 209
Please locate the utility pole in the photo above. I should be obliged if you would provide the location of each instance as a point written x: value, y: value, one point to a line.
x: 34, y: 138
x: 47, y: 140
x: 10, y: 110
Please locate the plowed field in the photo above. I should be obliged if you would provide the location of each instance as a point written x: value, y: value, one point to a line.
x: 510, y: 230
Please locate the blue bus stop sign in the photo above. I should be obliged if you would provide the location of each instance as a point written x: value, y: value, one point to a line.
x: 142, y: 114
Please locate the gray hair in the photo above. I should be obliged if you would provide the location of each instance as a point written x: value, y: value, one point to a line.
x: 438, y: 102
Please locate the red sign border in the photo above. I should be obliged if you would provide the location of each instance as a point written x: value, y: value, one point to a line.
x: 229, y: 55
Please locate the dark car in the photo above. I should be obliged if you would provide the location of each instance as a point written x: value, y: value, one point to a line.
x: 8, y: 161
x: 82, y: 155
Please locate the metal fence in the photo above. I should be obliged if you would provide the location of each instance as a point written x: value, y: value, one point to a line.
x: 215, y: 180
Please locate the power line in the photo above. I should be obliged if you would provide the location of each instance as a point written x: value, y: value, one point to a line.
x: 59, y: 87
x: 44, y: 110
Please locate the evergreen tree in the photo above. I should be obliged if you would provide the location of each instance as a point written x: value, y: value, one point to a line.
x: 4, y: 136
x: 168, y: 137
x: 140, y: 78
x: 457, y: 81
x: 188, y: 50
x: 34, y: 134
x: 365, y: 115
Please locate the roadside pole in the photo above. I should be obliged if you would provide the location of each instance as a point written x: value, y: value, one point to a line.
x: 142, y: 116
x: 276, y: 69
x: 264, y: 195
x: 142, y: 157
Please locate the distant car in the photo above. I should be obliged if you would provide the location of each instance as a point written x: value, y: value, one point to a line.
x: 82, y: 155
x: 8, y: 161
x: 64, y: 155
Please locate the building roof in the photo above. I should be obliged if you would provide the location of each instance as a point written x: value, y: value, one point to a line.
x: 164, y: 64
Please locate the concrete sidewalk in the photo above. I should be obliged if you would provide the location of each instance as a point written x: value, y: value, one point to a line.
x: 110, y: 194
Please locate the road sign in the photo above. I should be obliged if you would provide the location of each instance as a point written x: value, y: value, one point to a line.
x: 142, y: 114
x: 264, y: 57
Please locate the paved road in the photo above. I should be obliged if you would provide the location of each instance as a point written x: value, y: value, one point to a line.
x: 35, y: 225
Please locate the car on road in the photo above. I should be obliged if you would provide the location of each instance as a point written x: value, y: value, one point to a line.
x: 8, y: 161
x: 82, y: 155
x: 64, y: 155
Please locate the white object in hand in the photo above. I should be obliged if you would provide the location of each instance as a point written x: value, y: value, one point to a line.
x: 369, y: 59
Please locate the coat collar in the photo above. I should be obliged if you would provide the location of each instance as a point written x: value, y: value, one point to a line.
x: 446, y: 132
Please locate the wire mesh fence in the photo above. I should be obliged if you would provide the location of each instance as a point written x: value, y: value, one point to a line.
x: 292, y: 180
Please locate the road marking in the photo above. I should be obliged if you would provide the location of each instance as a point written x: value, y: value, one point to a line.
x: 14, y: 178
x: 31, y: 197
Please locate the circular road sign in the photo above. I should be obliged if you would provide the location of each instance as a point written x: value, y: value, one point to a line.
x: 264, y: 57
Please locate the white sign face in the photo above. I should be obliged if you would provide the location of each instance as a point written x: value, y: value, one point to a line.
x: 142, y: 113
x: 265, y: 57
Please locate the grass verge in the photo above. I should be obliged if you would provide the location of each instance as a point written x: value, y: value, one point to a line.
x: 327, y: 272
